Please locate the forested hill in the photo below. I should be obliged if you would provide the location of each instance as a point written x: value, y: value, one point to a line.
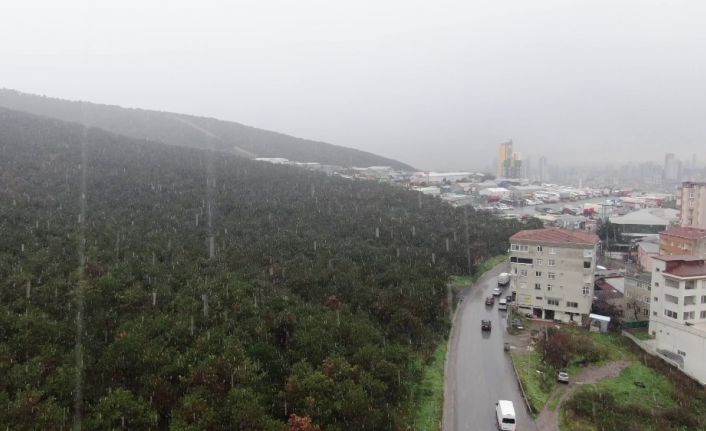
x: 217, y: 293
x: 191, y: 131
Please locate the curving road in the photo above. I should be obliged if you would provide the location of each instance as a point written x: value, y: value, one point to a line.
x: 478, y: 371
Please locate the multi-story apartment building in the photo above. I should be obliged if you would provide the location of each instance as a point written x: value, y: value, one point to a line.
x: 553, y: 272
x: 692, y: 204
x: 678, y: 312
x: 637, y: 298
x: 676, y: 241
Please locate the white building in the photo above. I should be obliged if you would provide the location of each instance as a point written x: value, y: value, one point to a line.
x: 678, y: 312
x: 553, y: 272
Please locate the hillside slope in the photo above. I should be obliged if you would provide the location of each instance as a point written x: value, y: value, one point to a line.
x: 217, y: 293
x: 191, y: 131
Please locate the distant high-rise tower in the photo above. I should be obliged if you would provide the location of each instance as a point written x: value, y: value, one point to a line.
x: 543, y: 170
x: 671, y: 168
x: 505, y: 159
x: 517, y: 169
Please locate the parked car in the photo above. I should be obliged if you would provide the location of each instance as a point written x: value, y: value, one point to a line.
x: 485, y: 325
x: 503, y: 279
x: 509, y: 299
x: 497, y: 291
x: 490, y: 300
x: 562, y: 377
x: 517, y: 323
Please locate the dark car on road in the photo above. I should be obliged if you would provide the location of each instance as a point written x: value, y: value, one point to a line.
x: 489, y: 300
x: 485, y: 325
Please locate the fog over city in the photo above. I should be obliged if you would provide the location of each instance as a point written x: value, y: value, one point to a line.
x: 437, y: 85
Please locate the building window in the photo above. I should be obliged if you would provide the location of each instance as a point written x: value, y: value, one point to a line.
x: 586, y: 289
x: 572, y: 304
x: 520, y: 260
x: 703, y: 299
x: 537, y: 286
x: 670, y: 313
x: 671, y: 298
x: 670, y: 283
x: 549, y: 287
x: 689, y: 300
x: 539, y: 248
x: 654, y: 313
x: 551, y: 275
x: 538, y: 273
x: 523, y: 248
x: 702, y: 315
x: 587, y: 265
x: 539, y: 261
x: 656, y: 299
x: 523, y: 273
x: 588, y: 253
x: 690, y: 284
x: 552, y: 262
x: 681, y: 352
x: 538, y: 298
x: 552, y: 250
x: 513, y: 247
x: 656, y: 284
x: 689, y: 315
x: 657, y: 269
x: 554, y: 302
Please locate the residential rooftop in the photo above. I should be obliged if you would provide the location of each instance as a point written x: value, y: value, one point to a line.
x: 678, y: 257
x: 684, y: 266
x: 556, y: 236
x: 685, y: 232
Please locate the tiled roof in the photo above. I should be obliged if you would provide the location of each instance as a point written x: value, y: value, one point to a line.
x: 557, y: 236
x: 683, y: 266
x: 672, y: 258
x: 685, y: 232
x: 688, y: 269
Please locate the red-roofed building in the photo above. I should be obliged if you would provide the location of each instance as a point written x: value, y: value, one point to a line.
x: 678, y: 311
x: 553, y: 272
x: 683, y: 241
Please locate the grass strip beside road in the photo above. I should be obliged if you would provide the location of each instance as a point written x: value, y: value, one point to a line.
x: 528, y: 367
x: 428, y: 395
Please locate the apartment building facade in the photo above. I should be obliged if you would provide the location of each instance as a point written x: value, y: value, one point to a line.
x: 676, y: 241
x: 692, y: 204
x: 678, y: 312
x: 638, y: 291
x: 552, y: 272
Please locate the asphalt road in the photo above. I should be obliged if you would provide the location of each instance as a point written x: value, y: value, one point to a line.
x: 478, y: 371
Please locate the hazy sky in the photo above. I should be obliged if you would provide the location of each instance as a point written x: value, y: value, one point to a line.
x: 437, y: 84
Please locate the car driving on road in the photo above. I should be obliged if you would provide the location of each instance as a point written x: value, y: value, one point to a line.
x: 485, y: 325
x: 497, y: 291
x: 489, y: 300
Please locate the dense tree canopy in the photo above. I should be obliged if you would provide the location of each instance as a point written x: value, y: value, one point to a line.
x: 217, y: 293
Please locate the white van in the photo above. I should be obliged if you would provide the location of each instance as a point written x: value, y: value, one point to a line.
x: 502, y: 304
x: 505, y: 415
